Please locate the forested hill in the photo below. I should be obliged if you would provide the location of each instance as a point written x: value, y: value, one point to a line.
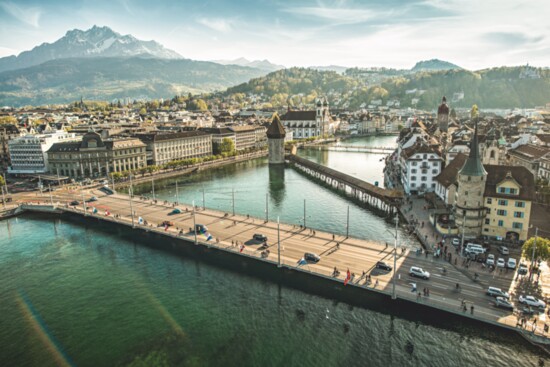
x: 503, y: 87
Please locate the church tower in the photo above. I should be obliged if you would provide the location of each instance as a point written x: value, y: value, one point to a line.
x: 469, y: 205
x: 443, y: 116
x: 276, y: 141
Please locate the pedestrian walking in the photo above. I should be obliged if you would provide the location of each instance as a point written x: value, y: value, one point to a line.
x: 472, y: 309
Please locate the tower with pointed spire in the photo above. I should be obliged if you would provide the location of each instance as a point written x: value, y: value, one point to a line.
x: 469, y: 205
x: 443, y: 115
x: 276, y: 141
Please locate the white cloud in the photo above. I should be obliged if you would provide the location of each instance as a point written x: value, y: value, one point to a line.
x: 29, y: 16
x: 218, y: 24
x: 335, y: 15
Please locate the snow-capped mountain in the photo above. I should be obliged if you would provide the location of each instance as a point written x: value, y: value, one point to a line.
x: 94, y: 42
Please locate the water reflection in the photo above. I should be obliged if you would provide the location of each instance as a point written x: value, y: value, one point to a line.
x: 277, y: 184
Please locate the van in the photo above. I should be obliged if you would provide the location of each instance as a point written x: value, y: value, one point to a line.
x: 475, y: 249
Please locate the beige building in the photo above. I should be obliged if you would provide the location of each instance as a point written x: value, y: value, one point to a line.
x: 95, y: 157
x: 7, y: 133
x: 166, y: 147
x: 508, y: 195
x: 245, y: 136
x: 528, y: 156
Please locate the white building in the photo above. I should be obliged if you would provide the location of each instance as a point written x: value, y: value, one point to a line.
x: 419, y: 165
x: 307, y: 124
x: 28, y: 153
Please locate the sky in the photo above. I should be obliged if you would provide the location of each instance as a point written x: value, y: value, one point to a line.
x: 473, y: 34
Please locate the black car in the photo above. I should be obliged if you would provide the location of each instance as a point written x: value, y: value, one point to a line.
x: 382, y: 265
x: 309, y: 257
x: 75, y: 203
x: 259, y: 237
x: 502, y: 302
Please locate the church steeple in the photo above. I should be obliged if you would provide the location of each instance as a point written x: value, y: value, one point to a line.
x: 473, y: 165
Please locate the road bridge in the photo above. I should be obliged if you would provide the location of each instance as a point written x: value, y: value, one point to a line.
x: 353, y: 148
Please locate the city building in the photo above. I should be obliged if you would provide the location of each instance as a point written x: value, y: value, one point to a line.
x: 166, y: 147
x: 528, y: 156
x: 246, y: 136
x: 308, y: 124
x: 469, y: 210
x: 544, y: 168
x: 509, y: 192
x: 95, y: 157
x: 445, y: 182
x: 7, y: 133
x: 28, y: 153
x: 443, y: 116
x: 419, y: 165
x: 218, y: 134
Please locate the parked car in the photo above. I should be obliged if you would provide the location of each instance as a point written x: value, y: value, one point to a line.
x: 92, y: 199
x: 311, y: 257
x: 511, y: 263
x: 523, y: 269
x: 490, y: 260
x: 455, y: 242
x: 176, y: 211
x: 167, y: 223
x: 532, y: 301
x: 75, y: 202
x: 497, y: 292
x: 502, y: 302
x: 259, y: 237
x: 419, y: 272
x: 503, y: 250
x: 501, y: 263
x: 382, y: 265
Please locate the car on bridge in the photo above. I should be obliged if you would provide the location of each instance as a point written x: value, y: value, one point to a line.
x: 382, y: 265
x: 497, y: 292
x: 92, y: 199
x: 503, y: 250
x: 532, y: 301
x: 311, y: 257
x: 75, y: 203
x: 415, y: 271
x: 259, y: 237
x: 502, y: 302
x: 455, y: 242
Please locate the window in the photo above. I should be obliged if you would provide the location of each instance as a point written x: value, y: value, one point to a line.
x: 435, y: 164
x: 501, y: 212
x: 487, y: 221
x: 434, y: 171
x: 520, y: 204
x: 424, y: 171
x: 413, y: 178
x: 414, y: 163
x: 518, y: 214
x: 501, y: 223
x: 517, y: 225
x: 503, y: 202
x: 425, y: 156
x: 489, y: 200
x: 413, y: 170
x: 423, y: 178
x: 488, y: 211
x: 433, y: 186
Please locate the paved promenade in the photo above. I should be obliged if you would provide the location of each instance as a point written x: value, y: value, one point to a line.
x: 234, y: 233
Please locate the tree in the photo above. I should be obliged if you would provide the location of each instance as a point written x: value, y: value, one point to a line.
x: 227, y: 146
x: 143, y: 111
x: 474, y: 113
x: 8, y: 120
x: 542, y: 251
x: 2, y: 181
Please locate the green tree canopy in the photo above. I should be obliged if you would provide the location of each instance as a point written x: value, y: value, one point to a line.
x: 2, y: 181
x: 542, y: 250
x: 227, y: 146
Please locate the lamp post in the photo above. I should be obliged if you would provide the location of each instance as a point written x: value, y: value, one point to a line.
x: 153, y: 184
x: 278, y: 244
x: 131, y: 193
x: 83, y: 201
x: 305, y: 213
x: 266, y: 207
x: 533, y: 254
x: 50, y: 190
x: 203, y: 201
x: 347, y: 225
x: 394, y: 296
x: 177, y: 194
x: 194, y: 223
x: 3, y: 198
x: 233, y: 200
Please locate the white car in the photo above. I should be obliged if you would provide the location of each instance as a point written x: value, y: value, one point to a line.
x: 419, y: 272
x: 490, y: 260
x: 503, y: 250
x: 501, y: 263
x: 532, y: 301
x: 455, y: 242
x: 511, y: 263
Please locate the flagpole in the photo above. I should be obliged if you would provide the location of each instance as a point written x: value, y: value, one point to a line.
x: 266, y: 208
x: 194, y: 223
x: 304, y: 213
x: 203, y: 202
x: 347, y: 225
x: 177, y: 194
x: 50, y: 190
x: 83, y: 201
x: 233, y: 200
x: 278, y: 244
x: 153, y: 182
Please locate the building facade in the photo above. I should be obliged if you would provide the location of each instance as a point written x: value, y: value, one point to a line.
x: 419, y: 165
x: 166, y: 147
x: 7, y: 133
x: 528, y: 156
x: 94, y: 157
x: 443, y: 116
x: 509, y: 193
x: 308, y: 124
x: 276, y: 141
x: 28, y: 153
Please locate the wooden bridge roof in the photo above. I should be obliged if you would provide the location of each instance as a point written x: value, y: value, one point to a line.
x: 381, y: 193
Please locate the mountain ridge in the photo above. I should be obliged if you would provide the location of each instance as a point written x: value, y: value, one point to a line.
x: 94, y: 42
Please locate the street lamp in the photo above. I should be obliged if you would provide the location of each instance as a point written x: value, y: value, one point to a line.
x: 394, y: 296
x: 194, y: 223
x: 533, y: 255
x: 130, y: 194
x: 278, y: 244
